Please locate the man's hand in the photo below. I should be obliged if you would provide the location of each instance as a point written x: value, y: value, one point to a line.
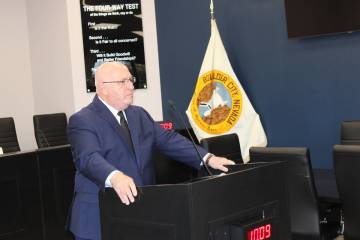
x: 219, y: 163
x: 124, y: 187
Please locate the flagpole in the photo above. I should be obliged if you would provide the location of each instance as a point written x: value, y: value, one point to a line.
x: 212, y: 23
x: 212, y: 10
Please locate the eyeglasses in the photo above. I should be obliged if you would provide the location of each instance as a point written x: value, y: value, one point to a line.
x: 131, y: 80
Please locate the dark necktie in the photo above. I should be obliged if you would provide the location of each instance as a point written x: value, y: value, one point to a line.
x: 125, y: 129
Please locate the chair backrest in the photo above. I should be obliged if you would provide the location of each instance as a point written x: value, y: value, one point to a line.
x: 225, y: 146
x: 347, y: 168
x: 350, y: 132
x: 8, y: 137
x: 303, y: 205
x: 50, y: 129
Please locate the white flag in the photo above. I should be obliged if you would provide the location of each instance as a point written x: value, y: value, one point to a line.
x: 219, y: 104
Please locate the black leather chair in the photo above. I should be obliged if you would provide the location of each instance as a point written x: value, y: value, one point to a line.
x: 350, y: 132
x: 347, y: 168
x: 50, y: 129
x: 225, y: 146
x: 8, y: 137
x: 303, y: 204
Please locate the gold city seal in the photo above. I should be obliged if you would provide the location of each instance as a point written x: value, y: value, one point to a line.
x: 216, y: 105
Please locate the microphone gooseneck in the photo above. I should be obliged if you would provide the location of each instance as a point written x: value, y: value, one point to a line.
x: 172, y: 106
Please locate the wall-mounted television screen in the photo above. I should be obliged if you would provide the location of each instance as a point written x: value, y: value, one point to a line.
x: 317, y: 17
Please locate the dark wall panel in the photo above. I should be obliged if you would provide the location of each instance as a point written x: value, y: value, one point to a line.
x: 36, y: 192
x: 20, y: 208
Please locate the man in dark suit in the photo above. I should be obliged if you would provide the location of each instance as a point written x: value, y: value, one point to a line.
x: 112, y: 143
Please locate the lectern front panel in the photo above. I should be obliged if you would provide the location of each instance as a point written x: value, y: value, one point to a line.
x: 244, y: 203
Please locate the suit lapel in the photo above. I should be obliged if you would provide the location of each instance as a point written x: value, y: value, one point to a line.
x: 105, y: 114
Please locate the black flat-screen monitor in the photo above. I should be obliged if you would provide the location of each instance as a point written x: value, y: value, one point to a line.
x: 318, y: 17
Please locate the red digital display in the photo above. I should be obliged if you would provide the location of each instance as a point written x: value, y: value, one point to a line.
x: 167, y: 125
x: 260, y: 232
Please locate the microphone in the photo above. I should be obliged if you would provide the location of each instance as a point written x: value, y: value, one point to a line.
x: 172, y: 106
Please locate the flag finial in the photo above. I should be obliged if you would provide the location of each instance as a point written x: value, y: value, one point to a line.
x: 212, y: 9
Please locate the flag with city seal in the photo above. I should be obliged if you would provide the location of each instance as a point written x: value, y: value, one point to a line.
x: 219, y: 104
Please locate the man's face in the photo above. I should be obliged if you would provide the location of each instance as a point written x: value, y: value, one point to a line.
x: 117, y: 87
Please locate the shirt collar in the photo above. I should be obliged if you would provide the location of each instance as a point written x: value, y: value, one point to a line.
x: 112, y: 110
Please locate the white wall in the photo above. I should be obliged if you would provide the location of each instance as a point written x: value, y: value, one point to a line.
x: 16, y: 98
x: 50, y: 54
x: 149, y: 98
x: 42, y: 62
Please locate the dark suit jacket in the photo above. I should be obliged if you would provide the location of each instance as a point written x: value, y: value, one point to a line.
x: 99, y: 148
